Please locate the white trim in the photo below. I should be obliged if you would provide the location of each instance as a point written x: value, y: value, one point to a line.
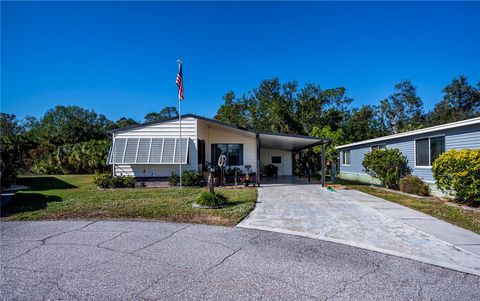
x: 343, y: 159
x: 416, y: 132
x: 136, y: 154
x: 161, y: 154
x: 150, y: 151
x: 124, y: 150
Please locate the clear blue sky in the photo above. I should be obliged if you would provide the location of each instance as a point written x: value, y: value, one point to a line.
x: 120, y: 58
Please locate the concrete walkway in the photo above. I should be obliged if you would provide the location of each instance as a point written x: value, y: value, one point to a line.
x: 361, y: 220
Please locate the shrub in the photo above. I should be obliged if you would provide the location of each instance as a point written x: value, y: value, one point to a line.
x: 103, y: 180
x: 191, y: 178
x: 211, y: 199
x: 106, y: 180
x: 123, y: 181
x: 174, y: 179
x: 459, y: 171
x: 414, y: 185
x: 388, y: 165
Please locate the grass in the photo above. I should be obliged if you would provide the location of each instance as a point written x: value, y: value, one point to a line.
x: 466, y: 219
x: 75, y: 197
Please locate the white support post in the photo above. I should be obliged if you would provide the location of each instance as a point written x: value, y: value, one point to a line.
x: 180, y: 141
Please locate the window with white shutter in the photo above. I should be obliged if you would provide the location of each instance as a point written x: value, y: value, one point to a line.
x: 149, y: 150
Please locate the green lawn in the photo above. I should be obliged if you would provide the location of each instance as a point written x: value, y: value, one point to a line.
x: 75, y: 197
x: 467, y: 219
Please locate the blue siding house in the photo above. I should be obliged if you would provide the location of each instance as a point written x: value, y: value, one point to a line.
x: 421, y: 147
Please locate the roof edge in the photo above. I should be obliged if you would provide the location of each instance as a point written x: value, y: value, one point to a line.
x: 127, y: 128
x: 446, y: 126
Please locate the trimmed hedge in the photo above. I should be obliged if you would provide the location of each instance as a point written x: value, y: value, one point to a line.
x: 387, y: 165
x: 106, y: 180
x: 414, y: 185
x: 459, y: 171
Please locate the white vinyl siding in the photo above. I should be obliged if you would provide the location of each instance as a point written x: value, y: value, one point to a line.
x: 149, y: 161
x: 284, y: 168
x: 213, y: 134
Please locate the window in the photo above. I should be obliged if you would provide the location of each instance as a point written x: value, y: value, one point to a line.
x: 276, y: 160
x: 233, y: 152
x: 201, y: 152
x: 428, y: 149
x: 437, y: 147
x: 346, y: 157
x: 149, y: 150
x: 379, y: 146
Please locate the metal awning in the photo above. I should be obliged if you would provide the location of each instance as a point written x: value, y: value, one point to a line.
x: 149, y: 151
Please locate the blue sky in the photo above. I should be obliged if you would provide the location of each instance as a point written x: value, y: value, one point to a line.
x: 119, y: 58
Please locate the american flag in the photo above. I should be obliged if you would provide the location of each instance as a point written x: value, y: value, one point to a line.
x: 179, y: 81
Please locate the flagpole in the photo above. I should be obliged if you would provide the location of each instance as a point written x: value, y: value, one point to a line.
x: 180, y: 127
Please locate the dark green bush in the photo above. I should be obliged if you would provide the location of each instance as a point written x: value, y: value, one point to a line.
x: 459, y: 171
x: 174, y: 179
x: 414, y: 185
x: 388, y: 165
x: 106, y: 180
x: 191, y: 178
x: 123, y: 181
x: 211, y: 199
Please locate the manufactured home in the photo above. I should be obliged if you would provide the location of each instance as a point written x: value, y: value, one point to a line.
x: 155, y: 150
x: 421, y: 147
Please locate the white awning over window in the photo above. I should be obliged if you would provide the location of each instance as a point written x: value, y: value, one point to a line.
x: 149, y: 151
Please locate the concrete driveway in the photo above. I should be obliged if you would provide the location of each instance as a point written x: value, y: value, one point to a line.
x: 129, y: 260
x: 358, y: 219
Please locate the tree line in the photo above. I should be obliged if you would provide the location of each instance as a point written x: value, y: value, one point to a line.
x: 71, y: 139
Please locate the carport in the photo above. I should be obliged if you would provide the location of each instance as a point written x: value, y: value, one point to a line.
x: 280, y: 149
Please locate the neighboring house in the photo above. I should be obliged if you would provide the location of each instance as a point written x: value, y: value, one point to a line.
x: 153, y: 150
x: 421, y: 147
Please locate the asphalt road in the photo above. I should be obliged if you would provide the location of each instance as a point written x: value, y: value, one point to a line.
x: 129, y: 260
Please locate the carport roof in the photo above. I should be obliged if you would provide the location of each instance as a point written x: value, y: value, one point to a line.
x: 267, y: 140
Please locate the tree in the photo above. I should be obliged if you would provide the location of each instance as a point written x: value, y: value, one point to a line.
x: 338, y: 138
x: 285, y: 108
x: 460, y: 101
x: 365, y: 123
x: 232, y: 111
x: 165, y: 113
x: 10, y: 148
x: 68, y: 124
x: 121, y: 123
x: 403, y: 110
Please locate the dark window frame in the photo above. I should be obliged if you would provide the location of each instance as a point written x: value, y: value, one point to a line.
x: 276, y: 157
x: 215, y: 155
x: 429, y: 162
x: 378, y: 146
